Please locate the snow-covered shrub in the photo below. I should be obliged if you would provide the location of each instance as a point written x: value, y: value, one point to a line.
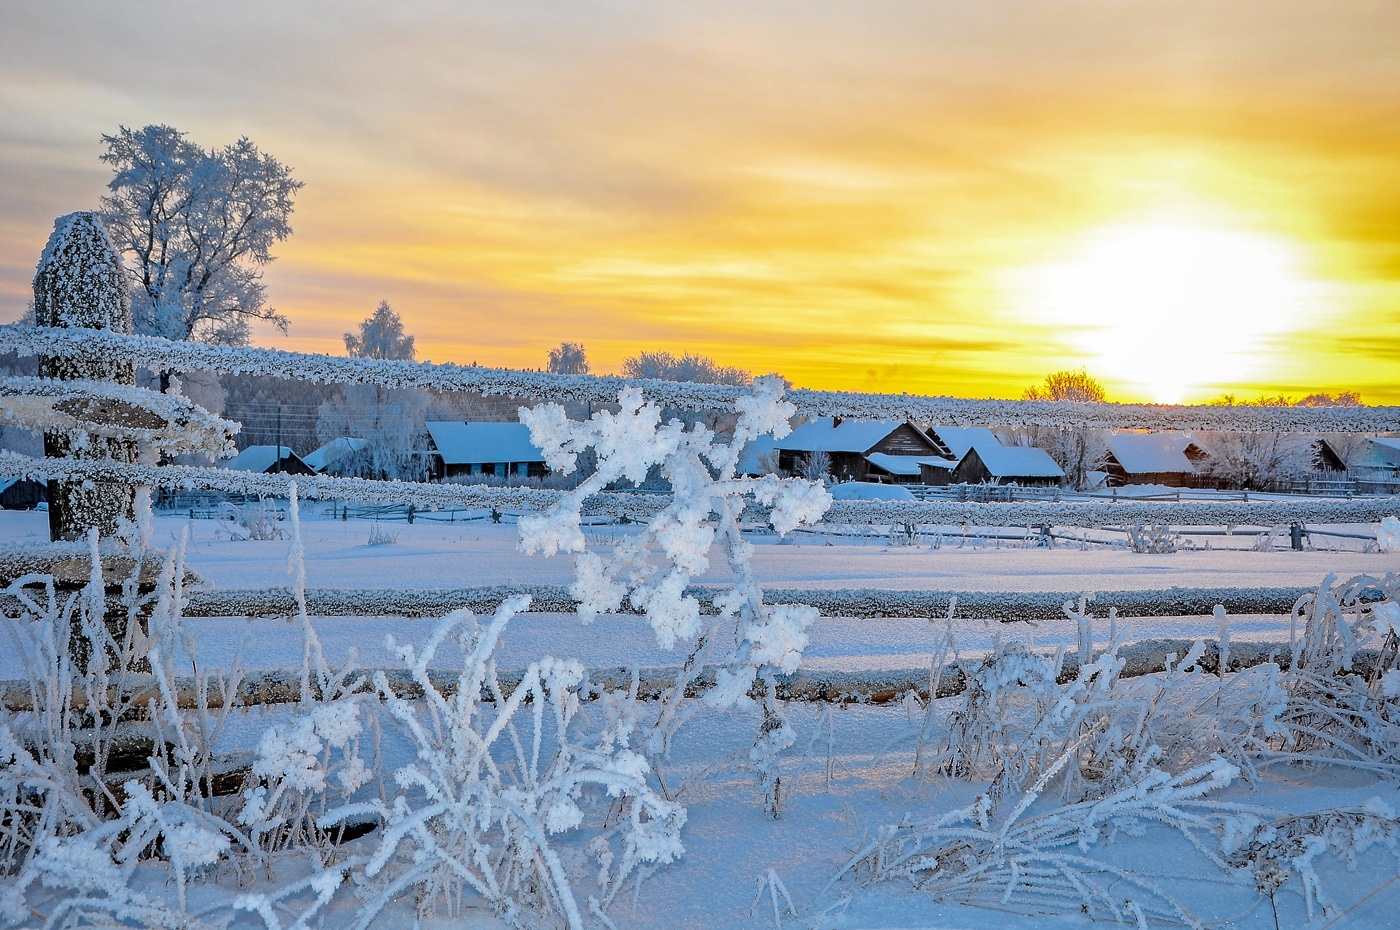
x: 1046, y: 862
x: 653, y: 567
x: 1343, y: 704
x: 498, y: 775
x: 257, y: 521
x: 1388, y: 535
x: 1151, y: 539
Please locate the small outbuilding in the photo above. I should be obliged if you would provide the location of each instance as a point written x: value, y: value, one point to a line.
x: 1170, y: 459
x: 1026, y: 466
x: 269, y: 460
x: 955, y: 441
x: 475, y: 448
x: 22, y: 493
x: 859, y: 450
x: 333, y: 452
x: 1377, y: 468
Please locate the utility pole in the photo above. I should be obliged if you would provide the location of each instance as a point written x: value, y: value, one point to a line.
x: 279, y: 438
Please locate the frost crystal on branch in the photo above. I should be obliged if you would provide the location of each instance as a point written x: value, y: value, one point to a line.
x: 653, y: 567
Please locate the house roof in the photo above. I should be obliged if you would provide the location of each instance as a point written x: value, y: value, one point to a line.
x: 260, y: 459
x: 825, y: 435
x: 959, y: 439
x: 904, y: 464
x: 1018, y: 461
x: 479, y: 443
x: 335, y: 449
x: 1381, y: 451
x: 1152, y: 453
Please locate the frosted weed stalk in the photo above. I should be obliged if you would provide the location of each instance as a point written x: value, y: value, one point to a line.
x: 767, y: 639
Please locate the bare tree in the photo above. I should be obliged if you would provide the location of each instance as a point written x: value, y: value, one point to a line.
x: 816, y: 466
x: 1077, y: 386
x: 689, y: 367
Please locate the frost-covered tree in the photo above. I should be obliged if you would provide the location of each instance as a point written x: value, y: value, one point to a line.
x: 568, y: 358
x: 381, y: 336
x: 390, y: 420
x: 196, y: 227
x: 689, y: 367
x: 1078, y: 450
x: 1078, y: 386
x: 80, y: 282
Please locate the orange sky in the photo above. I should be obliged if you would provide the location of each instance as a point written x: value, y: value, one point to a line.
x: 930, y: 197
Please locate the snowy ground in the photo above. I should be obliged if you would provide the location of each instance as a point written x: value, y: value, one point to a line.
x: 731, y: 845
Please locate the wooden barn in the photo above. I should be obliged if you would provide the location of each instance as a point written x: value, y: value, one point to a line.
x: 499, y: 449
x: 22, y: 494
x: 888, y: 451
x: 1377, y: 468
x: 1170, y: 459
x: 269, y: 460
x: 1025, y: 466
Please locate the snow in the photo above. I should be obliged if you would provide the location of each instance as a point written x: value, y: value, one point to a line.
x: 1018, y: 461
x: 869, y: 491
x: 1151, y: 453
x: 259, y: 459
x: 479, y: 443
x: 826, y: 435
x: 327, y: 454
x: 959, y: 439
x: 907, y: 465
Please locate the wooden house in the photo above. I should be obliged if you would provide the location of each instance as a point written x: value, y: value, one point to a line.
x: 888, y: 451
x: 499, y: 449
x: 1377, y: 468
x: 269, y: 460
x: 1170, y: 459
x: 1026, y: 466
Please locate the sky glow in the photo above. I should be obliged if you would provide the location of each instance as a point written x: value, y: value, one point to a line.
x: 856, y: 196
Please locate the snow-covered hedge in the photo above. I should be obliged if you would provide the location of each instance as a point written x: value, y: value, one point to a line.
x: 645, y: 506
x: 1010, y: 606
x: 154, y: 352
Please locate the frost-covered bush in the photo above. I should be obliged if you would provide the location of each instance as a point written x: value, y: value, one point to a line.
x: 493, y: 784
x: 747, y: 641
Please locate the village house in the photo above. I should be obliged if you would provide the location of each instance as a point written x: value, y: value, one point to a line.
x: 1377, y: 468
x: 499, y: 449
x: 1170, y: 459
x: 269, y: 460
x: 994, y: 463
x: 859, y: 450
x: 22, y: 493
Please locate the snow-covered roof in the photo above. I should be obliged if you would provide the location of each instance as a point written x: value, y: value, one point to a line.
x: 959, y: 439
x: 7, y: 483
x: 333, y: 450
x: 259, y: 459
x: 1018, y: 461
x: 825, y: 435
x: 1151, y: 453
x: 1381, y: 451
x: 751, y: 453
x: 905, y: 464
x: 479, y: 443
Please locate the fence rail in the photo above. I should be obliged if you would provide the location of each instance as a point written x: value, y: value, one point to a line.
x: 644, y: 506
x: 155, y: 352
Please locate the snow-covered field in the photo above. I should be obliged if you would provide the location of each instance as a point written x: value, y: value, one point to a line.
x: 850, y: 769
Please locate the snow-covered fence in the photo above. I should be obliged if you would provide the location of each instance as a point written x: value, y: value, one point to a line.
x: 865, y: 686
x: 644, y: 506
x: 159, y: 353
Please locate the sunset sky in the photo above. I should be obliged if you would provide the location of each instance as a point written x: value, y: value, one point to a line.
x: 1184, y: 198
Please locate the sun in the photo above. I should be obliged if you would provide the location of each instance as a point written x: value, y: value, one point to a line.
x: 1169, y: 309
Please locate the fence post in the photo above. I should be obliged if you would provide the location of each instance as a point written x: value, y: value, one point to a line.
x: 81, y: 283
